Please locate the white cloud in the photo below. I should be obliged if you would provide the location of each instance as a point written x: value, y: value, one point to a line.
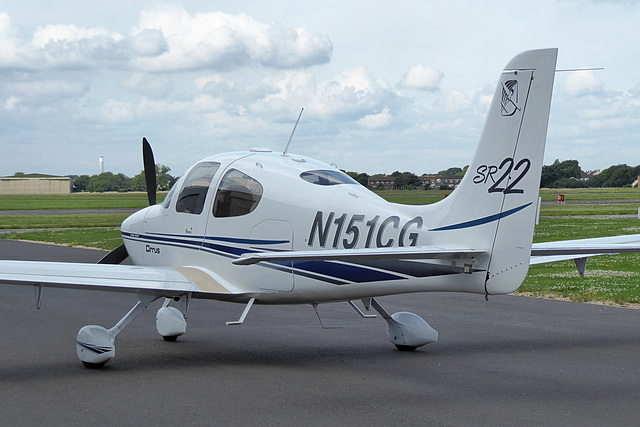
x: 350, y: 96
x: 166, y: 39
x: 149, y: 84
x: 117, y: 111
x: 70, y: 46
x: 221, y: 41
x: 49, y: 88
x: 11, y: 103
x: 68, y: 34
x: 149, y: 42
x: 422, y: 77
x: 202, y: 82
x: 581, y: 83
x: 279, y: 93
x: 376, y: 121
x: 10, y: 46
x: 198, y: 105
x: 355, y: 93
x: 458, y: 100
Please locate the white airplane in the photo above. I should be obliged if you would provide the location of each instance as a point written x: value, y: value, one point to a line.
x: 271, y: 228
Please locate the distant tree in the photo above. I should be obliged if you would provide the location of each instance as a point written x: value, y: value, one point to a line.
x: 450, y: 171
x: 164, y: 180
x: 405, y: 180
x: 80, y: 183
x: 362, y: 178
x: 106, y: 181
x: 18, y: 174
x: 138, y: 183
x: 615, y: 176
x: 121, y: 182
x: 553, y: 174
x: 620, y: 177
x: 570, y: 183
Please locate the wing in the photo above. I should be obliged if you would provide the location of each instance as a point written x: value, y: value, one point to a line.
x: 161, y: 281
x: 414, y: 252
x: 542, y: 253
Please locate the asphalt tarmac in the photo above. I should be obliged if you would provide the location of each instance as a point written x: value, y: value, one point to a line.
x: 509, y: 361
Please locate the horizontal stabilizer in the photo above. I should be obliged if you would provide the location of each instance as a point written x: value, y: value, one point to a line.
x: 542, y: 253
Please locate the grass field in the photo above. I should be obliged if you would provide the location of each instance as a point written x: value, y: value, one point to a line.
x: 12, y: 222
x: 614, y: 278
x: 102, y: 238
x: 76, y: 201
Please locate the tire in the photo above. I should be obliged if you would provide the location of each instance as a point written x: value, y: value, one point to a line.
x: 89, y: 365
x: 405, y: 347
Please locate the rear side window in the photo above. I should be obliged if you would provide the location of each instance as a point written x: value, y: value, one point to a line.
x: 194, y: 190
x: 238, y: 194
x: 327, y: 177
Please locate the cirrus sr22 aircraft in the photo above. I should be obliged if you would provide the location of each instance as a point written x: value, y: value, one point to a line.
x: 270, y: 228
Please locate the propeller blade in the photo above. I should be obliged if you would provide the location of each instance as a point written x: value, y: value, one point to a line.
x: 116, y: 256
x: 149, y: 171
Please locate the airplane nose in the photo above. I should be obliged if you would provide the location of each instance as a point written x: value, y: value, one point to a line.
x: 134, y: 223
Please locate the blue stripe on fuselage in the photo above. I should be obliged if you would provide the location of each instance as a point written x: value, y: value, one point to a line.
x: 338, y: 273
x: 481, y: 221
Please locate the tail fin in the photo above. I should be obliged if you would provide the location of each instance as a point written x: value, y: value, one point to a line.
x: 494, y: 206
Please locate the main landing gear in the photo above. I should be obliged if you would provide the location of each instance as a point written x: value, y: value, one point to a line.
x: 407, y: 331
x: 95, y: 344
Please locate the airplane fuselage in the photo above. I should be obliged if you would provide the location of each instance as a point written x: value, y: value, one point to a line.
x: 264, y: 201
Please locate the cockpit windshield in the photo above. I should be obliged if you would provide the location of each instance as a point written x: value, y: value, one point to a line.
x: 327, y: 177
x: 195, y: 187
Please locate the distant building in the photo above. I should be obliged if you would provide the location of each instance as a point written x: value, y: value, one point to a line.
x: 381, y: 182
x: 35, y: 185
x: 584, y: 176
x: 435, y: 182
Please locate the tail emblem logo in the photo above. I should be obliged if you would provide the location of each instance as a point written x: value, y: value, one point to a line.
x: 509, y: 103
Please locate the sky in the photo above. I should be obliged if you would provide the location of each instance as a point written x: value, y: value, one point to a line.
x: 385, y: 86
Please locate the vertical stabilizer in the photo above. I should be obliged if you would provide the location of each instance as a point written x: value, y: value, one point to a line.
x: 494, y: 206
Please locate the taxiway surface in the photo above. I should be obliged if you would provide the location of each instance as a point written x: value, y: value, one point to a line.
x: 509, y: 361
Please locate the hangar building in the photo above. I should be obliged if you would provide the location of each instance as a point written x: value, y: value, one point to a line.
x: 39, y: 185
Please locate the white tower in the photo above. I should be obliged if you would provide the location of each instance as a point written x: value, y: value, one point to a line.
x: 101, y: 161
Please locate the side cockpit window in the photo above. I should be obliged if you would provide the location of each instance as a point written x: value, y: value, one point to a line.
x: 327, y: 177
x: 238, y: 194
x: 194, y: 190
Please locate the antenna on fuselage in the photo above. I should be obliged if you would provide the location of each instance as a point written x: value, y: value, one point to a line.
x: 284, y: 153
